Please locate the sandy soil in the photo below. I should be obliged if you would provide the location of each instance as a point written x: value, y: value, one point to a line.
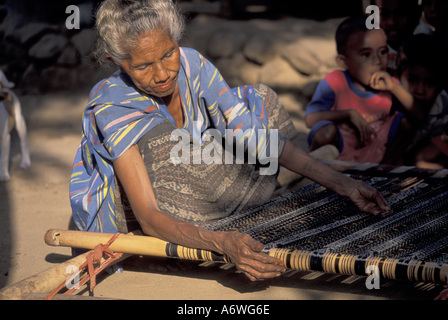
x: 37, y: 200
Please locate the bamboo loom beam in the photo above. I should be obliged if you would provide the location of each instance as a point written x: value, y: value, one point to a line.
x: 337, y: 263
x: 41, y: 284
x: 130, y: 244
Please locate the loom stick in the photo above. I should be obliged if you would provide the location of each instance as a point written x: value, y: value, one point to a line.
x: 43, y: 282
x: 347, y: 264
x: 131, y: 244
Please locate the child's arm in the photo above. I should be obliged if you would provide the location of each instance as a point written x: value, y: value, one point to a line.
x: 320, y: 109
x: 383, y: 81
x: 335, y: 116
x: 365, y: 130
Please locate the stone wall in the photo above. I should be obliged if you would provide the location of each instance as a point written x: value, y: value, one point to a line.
x: 290, y: 55
x: 286, y: 54
x: 39, y: 53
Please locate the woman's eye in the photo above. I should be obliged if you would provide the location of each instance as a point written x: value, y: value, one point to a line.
x: 142, y: 68
x: 169, y: 55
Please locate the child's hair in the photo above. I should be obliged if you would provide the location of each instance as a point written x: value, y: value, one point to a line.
x: 424, y: 51
x: 346, y: 29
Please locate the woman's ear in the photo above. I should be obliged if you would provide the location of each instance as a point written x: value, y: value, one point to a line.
x: 340, y: 61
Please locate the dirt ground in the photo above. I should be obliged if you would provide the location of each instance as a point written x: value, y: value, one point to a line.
x: 36, y: 200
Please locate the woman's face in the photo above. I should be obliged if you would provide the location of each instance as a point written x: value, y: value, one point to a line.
x: 154, y: 64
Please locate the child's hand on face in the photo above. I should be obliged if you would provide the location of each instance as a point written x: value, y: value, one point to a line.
x: 381, y: 81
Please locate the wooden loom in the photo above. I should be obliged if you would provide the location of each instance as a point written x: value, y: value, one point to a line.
x: 315, y: 230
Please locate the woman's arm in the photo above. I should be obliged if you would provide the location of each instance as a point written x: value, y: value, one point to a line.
x: 240, y: 248
x: 362, y: 195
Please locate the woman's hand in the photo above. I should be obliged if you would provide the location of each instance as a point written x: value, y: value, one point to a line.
x: 367, y: 199
x: 248, y: 257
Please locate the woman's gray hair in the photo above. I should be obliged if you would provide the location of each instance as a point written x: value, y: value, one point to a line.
x: 120, y: 23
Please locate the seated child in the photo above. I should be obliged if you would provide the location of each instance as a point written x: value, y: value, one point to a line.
x: 353, y: 109
x: 399, y: 19
x: 435, y: 155
x: 422, y: 72
x: 433, y: 20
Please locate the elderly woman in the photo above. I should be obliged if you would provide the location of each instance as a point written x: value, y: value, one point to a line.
x: 124, y: 170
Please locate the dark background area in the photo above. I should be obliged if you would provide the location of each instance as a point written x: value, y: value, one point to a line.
x: 50, y: 10
x: 39, y: 54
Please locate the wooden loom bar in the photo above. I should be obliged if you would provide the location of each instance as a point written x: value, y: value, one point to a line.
x: 131, y: 244
x: 347, y: 264
x: 37, y: 286
x: 42, y: 282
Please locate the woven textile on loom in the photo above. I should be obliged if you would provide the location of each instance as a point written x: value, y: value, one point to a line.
x: 314, y: 229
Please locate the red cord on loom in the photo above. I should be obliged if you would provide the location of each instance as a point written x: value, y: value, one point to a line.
x: 93, y: 265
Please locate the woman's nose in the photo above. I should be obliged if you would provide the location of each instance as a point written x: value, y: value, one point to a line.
x: 161, y: 73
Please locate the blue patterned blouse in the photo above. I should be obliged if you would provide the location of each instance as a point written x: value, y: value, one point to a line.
x: 118, y: 115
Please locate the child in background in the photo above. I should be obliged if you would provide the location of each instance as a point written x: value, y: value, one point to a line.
x: 353, y: 109
x: 399, y: 19
x: 422, y: 72
x: 435, y: 155
x: 434, y: 19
